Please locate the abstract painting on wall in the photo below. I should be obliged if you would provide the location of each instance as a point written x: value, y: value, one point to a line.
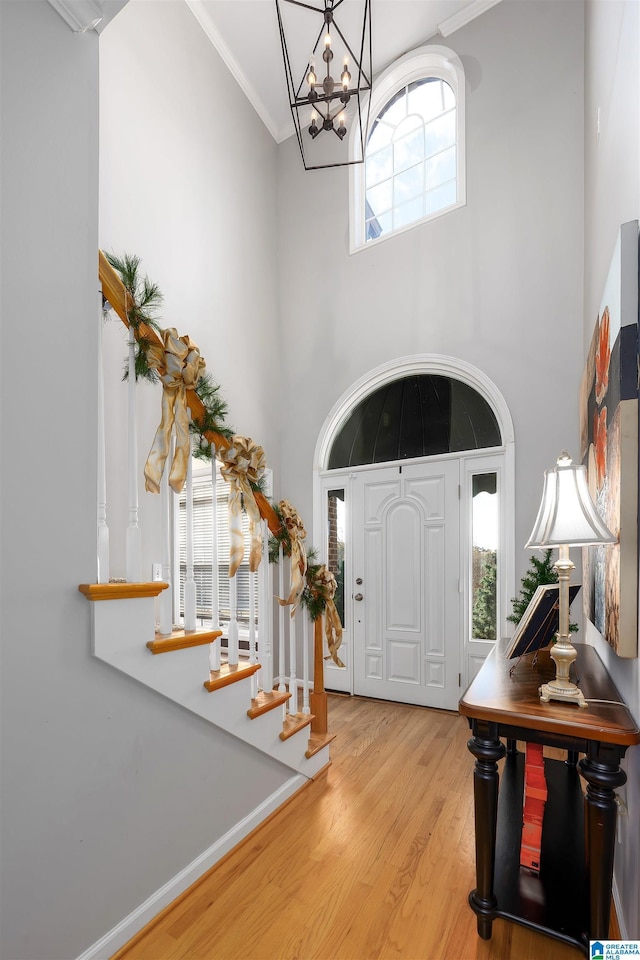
x: 609, y: 450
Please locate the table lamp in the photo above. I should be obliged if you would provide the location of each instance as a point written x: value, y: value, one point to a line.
x: 567, y: 518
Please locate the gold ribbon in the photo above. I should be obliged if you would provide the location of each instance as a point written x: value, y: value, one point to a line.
x: 297, y: 533
x: 240, y: 465
x: 180, y: 366
x: 325, y: 585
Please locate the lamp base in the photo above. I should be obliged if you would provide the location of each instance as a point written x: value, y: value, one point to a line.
x: 562, y: 690
x: 563, y: 653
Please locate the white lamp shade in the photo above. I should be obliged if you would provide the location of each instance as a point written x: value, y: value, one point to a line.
x: 567, y: 514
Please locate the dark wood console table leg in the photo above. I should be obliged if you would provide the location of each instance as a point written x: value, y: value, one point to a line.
x: 572, y: 758
x: 486, y: 747
x: 601, y: 769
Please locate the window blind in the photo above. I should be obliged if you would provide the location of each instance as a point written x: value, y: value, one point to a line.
x: 202, y: 550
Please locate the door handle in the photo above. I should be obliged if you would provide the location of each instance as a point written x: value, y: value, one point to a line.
x: 358, y: 596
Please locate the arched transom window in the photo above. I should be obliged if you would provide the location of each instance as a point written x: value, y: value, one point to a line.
x: 414, y: 156
x: 421, y: 415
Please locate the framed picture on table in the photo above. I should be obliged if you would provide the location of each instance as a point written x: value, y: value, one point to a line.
x: 540, y: 621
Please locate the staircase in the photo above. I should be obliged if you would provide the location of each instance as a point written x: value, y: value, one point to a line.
x: 185, y: 665
x: 178, y: 668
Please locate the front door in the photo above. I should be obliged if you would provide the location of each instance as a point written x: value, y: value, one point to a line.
x: 406, y: 583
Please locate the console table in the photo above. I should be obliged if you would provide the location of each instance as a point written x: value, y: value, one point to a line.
x: 571, y: 898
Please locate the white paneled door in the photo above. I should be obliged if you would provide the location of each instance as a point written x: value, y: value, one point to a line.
x: 406, y: 583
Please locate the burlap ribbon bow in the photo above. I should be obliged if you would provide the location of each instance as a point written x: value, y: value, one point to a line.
x: 297, y: 533
x: 240, y: 465
x: 324, y: 585
x: 180, y: 366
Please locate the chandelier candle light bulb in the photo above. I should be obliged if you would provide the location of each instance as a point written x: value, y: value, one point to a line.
x: 311, y: 76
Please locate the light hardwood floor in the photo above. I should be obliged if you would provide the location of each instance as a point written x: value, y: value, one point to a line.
x: 372, y: 861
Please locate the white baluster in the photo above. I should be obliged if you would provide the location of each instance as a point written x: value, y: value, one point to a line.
x: 165, y: 599
x: 292, y: 703
x: 133, y: 543
x: 265, y: 613
x: 214, y: 648
x: 233, y: 621
x: 281, y: 648
x: 189, y: 583
x: 103, y: 529
x: 305, y: 661
x: 253, y: 658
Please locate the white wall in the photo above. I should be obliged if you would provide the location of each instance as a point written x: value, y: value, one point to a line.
x: 97, y: 773
x: 497, y: 283
x: 612, y: 197
x: 187, y: 182
x: 107, y: 789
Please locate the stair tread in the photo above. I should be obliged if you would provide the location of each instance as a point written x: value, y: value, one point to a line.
x: 266, y: 701
x: 317, y: 742
x: 295, y: 722
x: 182, y: 640
x: 229, y: 674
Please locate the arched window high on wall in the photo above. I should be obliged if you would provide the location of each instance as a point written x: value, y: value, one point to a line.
x: 419, y: 418
x: 414, y: 167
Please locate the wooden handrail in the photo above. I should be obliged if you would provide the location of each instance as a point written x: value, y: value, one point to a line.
x: 114, y: 291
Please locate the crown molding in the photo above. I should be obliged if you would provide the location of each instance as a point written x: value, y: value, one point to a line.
x: 86, y: 15
x: 475, y: 9
x: 198, y: 9
x: 285, y: 132
x: 80, y: 15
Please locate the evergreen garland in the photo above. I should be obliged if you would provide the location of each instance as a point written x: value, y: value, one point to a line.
x: 311, y: 600
x: 281, y: 537
x: 540, y: 572
x: 215, y: 412
x: 259, y: 485
x: 143, y: 300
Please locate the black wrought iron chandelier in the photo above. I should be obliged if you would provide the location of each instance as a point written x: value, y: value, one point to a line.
x: 326, y: 47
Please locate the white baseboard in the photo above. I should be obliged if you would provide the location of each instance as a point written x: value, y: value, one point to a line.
x: 142, y: 915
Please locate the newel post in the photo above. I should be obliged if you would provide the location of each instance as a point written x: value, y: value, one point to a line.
x: 319, y: 724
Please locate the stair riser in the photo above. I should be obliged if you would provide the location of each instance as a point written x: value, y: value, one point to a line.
x: 120, y: 631
x: 225, y: 707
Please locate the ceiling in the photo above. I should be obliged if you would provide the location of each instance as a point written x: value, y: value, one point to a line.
x: 245, y: 33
